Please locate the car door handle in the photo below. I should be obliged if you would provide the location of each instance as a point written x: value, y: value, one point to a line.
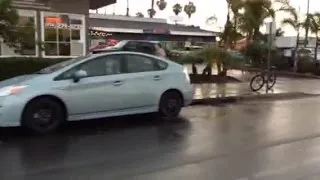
x: 117, y: 83
x: 156, y: 78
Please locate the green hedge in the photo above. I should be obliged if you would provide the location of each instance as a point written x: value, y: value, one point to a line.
x: 10, y: 67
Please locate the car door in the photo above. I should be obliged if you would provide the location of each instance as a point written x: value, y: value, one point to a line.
x: 145, y: 80
x: 100, y: 91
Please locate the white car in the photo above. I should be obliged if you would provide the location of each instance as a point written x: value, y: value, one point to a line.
x: 94, y: 86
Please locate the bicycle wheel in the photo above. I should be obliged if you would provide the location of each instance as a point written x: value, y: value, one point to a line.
x: 272, y: 78
x: 257, y: 82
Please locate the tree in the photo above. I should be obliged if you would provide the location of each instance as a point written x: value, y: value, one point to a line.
x: 18, y: 36
x: 294, y: 21
x: 177, y: 9
x: 190, y: 9
x: 151, y: 11
x: 9, y: 20
x: 127, y: 14
x: 314, y: 25
x: 139, y: 14
x: 279, y: 32
x: 211, y: 20
x: 162, y: 4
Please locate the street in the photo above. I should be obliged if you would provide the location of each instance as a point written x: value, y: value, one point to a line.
x: 256, y: 140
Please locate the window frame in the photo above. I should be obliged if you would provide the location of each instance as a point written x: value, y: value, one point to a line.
x: 83, y: 37
x: 61, y: 78
x: 155, y: 62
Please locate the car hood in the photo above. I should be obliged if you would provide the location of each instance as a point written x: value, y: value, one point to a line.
x: 18, y: 80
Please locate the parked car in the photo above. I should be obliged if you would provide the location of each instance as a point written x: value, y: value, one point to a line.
x: 147, y: 47
x: 94, y: 86
x: 130, y: 45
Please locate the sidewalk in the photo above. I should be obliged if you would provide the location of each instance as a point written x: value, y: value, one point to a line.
x: 244, y: 73
x: 231, y: 92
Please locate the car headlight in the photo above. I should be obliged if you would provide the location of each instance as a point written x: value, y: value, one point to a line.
x: 11, y: 90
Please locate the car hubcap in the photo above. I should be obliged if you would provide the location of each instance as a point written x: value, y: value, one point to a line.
x: 43, y: 116
x: 172, y: 106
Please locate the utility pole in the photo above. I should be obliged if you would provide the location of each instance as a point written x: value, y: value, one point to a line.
x: 308, y: 21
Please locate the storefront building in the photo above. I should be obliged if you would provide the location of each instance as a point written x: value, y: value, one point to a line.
x: 112, y: 27
x: 60, y: 27
x: 64, y: 28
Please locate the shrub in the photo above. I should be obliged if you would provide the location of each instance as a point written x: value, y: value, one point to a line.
x: 189, y: 59
x: 305, y: 65
x: 10, y: 67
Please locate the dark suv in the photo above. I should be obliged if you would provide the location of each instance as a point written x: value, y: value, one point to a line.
x: 147, y: 47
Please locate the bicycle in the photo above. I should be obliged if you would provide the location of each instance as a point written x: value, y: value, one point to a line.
x: 261, y: 79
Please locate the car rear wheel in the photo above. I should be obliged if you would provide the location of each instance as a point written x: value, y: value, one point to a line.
x: 43, y: 115
x: 170, y: 105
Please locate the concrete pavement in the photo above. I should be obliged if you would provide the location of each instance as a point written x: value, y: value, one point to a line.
x: 265, y: 140
x: 284, y: 88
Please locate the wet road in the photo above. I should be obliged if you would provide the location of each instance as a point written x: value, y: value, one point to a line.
x: 268, y: 140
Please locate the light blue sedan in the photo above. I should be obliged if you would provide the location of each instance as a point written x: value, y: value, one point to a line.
x: 94, y: 86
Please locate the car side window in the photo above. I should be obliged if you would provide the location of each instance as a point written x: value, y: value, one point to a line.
x: 101, y: 66
x: 138, y: 63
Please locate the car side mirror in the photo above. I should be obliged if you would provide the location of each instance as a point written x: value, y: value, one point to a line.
x: 79, y: 75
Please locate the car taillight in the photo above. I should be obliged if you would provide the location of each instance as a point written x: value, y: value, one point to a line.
x: 185, y: 70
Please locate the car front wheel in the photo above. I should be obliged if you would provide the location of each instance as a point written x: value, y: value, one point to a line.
x: 170, y: 105
x: 43, y: 115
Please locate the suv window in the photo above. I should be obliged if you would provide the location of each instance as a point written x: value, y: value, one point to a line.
x: 139, y: 63
x: 147, y: 48
x: 137, y: 46
x: 101, y: 66
x: 131, y: 46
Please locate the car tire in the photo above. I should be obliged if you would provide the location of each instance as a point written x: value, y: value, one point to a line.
x: 43, y: 115
x: 171, y: 103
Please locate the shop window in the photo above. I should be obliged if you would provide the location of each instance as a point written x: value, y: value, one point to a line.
x: 62, y: 34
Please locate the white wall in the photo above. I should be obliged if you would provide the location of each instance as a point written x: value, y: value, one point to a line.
x: 291, y: 41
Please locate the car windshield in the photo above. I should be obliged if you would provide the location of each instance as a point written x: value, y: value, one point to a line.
x: 120, y: 44
x: 61, y: 65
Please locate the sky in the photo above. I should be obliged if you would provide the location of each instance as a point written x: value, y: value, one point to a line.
x: 205, y: 9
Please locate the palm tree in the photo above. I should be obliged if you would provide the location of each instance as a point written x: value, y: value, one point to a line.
x: 139, y: 14
x: 294, y: 21
x: 190, y: 9
x: 162, y: 4
x: 127, y: 8
x: 211, y: 20
x: 151, y: 11
x: 177, y: 9
x: 279, y: 32
x: 255, y: 12
x: 313, y: 24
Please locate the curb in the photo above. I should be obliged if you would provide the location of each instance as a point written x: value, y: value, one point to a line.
x: 233, y: 99
x: 297, y: 75
x: 283, y: 73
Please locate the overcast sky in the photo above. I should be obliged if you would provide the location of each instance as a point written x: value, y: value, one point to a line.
x: 205, y: 9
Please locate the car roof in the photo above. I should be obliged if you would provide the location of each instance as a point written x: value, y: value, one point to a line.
x: 143, y: 41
